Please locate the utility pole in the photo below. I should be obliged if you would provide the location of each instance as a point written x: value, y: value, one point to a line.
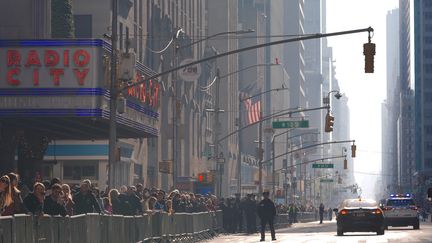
x: 260, y: 154
x: 219, y: 166
x: 176, y: 106
x: 239, y: 141
x: 273, y: 169
x: 113, y: 98
x: 174, y: 119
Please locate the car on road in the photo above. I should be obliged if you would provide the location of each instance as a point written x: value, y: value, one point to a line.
x: 359, y: 215
x: 401, y: 210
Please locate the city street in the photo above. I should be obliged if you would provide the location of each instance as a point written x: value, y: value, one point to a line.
x: 314, y: 232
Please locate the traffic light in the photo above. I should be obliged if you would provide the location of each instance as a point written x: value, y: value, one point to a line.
x: 329, y: 121
x: 345, y: 164
x: 369, y: 52
x: 205, y: 178
x: 202, y: 177
x: 430, y: 192
x: 353, y: 150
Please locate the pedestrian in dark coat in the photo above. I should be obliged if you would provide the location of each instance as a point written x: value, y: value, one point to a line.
x: 85, y: 201
x: 238, y: 212
x: 250, y: 212
x: 321, y: 212
x: 35, y: 200
x: 53, y: 204
x: 267, y: 212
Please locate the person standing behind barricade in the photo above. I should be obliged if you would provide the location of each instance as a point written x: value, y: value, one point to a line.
x: 267, y: 212
x: 34, y: 201
x: 85, y: 201
x: 17, y: 206
x: 6, y: 196
x: 67, y: 199
x: 139, y: 191
x: 321, y: 212
x: 168, y: 207
x: 250, y: 209
x: 134, y: 201
x: 160, y: 203
x: 53, y: 204
x: 117, y: 207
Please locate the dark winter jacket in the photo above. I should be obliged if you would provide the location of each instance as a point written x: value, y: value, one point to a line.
x: 52, y: 207
x: 266, y: 209
x: 32, y: 204
x: 85, y: 203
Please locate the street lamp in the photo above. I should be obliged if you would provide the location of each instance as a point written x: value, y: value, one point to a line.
x: 113, y: 98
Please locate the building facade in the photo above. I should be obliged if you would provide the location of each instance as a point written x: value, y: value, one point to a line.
x: 423, y: 89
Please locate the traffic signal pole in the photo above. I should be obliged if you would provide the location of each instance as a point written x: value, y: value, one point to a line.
x: 309, y: 146
x: 307, y: 37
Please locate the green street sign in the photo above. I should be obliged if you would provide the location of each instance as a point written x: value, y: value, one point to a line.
x: 290, y: 124
x: 322, y: 166
x: 326, y: 180
x: 206, y: 153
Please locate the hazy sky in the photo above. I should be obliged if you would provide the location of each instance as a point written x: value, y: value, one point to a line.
x: 366, y: 92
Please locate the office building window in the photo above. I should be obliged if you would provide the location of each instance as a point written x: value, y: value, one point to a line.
x: 80, y: 170
x: 83, y: 26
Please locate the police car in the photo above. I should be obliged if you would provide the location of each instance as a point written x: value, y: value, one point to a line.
x: 400, y: 210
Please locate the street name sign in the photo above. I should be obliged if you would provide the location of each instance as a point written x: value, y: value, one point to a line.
x: 322, y: 166
x: 290, y: 124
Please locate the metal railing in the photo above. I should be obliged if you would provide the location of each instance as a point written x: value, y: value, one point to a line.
x: 94, y: 228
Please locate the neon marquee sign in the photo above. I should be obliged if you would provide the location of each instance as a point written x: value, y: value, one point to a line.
x: 52, y: 62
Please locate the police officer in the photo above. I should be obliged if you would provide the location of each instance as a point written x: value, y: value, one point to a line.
x: 238, y: 212
x: 249, y: 206
x: 266, y: 211
x: 321, y: 212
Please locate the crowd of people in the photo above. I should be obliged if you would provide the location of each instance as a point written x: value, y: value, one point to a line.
x: 57, y: 198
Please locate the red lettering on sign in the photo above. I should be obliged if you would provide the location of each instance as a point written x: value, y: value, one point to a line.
x: 51, y: 58
x: 36, y: 77
x: 156, y: 95
x: 66, y: 58
x: 150, y: 92
x: 81, y: 58
x: 13, y: 58
x: 142, y: 92
x: 33, y: 59
x: 56, y: 72
x: 11, y: 76
x: 81, y: 75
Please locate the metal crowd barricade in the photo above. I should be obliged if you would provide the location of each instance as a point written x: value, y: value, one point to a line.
x: 94, y: 228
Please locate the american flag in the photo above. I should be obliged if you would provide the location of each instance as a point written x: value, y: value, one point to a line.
x: 252, y: 105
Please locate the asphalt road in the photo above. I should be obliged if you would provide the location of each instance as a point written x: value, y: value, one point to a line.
x: 326, y: 232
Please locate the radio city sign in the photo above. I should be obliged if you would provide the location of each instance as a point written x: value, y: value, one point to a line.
x: 63, y: 66
x: 49, y: 67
